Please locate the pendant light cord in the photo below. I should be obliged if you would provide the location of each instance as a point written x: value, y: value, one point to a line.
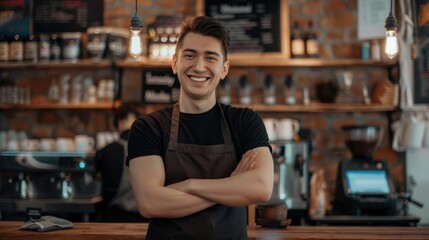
x: 136, y: 7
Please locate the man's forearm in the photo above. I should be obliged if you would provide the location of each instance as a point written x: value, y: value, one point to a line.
x: 235, y: 191
x: 170, y: 203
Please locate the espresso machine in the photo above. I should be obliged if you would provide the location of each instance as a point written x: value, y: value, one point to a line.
x: 54, y: 182
x: 364, y: 186
x: 291, y: 178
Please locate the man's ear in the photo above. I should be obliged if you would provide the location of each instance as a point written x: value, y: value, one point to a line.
x: 174, y: 64
x: 225, y: 69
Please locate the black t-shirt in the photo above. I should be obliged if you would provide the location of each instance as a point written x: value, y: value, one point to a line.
x: 150, y: 133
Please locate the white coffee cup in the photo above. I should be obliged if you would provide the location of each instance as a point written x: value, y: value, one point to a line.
x: 30, y: 144
x: 271, y: 127
x: 13, y: 145
x: 287, y: 128
x: 47, y: 144
x: 65, y: 144
x: 409, y: 132
x: 84, y: 143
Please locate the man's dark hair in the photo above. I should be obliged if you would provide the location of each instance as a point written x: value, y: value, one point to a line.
x: 124, y: 110
x: 205, y: 26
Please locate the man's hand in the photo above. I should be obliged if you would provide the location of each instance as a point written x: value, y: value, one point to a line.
x: 247, y: 162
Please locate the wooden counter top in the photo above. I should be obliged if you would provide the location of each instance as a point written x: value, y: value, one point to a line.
x: 112, y: 231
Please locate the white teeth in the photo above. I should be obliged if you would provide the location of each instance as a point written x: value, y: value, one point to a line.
x: 198, y: 79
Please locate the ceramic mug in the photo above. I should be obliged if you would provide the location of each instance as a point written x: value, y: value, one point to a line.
x: 65, y: 144
x: 84, y: 143
x: 30, y: 144
x: 47, y: 144
x: 13, y: 145
x: 287, y: 128
x: 271, y: 128
x: 408, y: 132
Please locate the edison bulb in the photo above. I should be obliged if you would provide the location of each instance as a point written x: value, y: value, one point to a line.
x: 135, y: 44
x: 392, y: 47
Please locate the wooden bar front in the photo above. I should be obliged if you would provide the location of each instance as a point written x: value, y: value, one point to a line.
x: 112, y: 231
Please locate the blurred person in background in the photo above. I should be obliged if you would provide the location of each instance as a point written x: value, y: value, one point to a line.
x: 118, y: 203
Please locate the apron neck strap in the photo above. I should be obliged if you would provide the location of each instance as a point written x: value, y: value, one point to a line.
x: 174, y: 131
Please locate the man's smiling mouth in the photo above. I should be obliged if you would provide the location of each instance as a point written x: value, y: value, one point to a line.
x: 198, y: 79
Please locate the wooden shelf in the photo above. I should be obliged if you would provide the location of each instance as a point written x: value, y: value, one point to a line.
x: 321, y: 107
x: 145, y: 63
x: 267, y: 62
x: 107, y: 106
x: 84, y: 63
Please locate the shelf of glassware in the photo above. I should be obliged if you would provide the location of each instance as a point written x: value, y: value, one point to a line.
x: 89, y: 106
x: 266, y: 62
x: 321, y: 107
x: 82, y: 63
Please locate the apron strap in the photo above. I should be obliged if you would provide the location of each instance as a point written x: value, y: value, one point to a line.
x: 174, y: 131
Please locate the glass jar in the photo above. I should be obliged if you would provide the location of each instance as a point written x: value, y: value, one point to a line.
x: 16, y: 49
x: 71, y: 46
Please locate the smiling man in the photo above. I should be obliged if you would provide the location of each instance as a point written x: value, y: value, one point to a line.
x: 196, y: 165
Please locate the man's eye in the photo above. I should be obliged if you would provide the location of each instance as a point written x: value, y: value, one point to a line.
x: 211, y: 58
x: 188, y: 56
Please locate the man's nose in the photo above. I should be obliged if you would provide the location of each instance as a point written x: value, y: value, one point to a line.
x: 200, y: 65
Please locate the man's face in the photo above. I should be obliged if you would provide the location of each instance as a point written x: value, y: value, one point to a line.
x: 199, y: 65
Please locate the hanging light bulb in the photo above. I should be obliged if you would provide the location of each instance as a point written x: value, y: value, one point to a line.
x: 136, y: 46
x: 391, y: 48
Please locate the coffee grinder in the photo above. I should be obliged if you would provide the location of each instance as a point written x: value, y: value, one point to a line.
x: 363, y: 185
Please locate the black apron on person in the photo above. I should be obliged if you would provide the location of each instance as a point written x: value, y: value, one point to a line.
x: 184, y: 161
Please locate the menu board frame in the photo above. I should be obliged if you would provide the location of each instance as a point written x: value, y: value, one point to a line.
x: 284, y: 40
x: 421, y: 63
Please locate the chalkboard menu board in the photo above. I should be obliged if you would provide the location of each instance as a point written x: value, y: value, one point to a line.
x: 421, y: 63
x: 66, y: 16
x: 160, y: 86
x: 256, y: 26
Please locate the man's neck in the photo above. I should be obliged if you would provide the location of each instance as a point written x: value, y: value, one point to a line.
x: 196, y: 106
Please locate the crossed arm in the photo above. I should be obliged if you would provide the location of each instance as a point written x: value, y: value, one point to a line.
x: 251, y: 182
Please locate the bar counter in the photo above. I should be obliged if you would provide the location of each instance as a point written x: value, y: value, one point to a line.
x: 113, y: 231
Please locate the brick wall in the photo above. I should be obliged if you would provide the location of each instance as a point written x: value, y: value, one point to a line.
x: 336, y: 25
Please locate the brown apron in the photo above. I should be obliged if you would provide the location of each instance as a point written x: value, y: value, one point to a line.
x: 184, y: 161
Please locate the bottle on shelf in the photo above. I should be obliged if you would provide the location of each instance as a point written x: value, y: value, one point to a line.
x: 54, y: 91
x: 30, y: 48
x: 225, y: 92
x: 4, y: 48
x: 55, y: 48
x: 364, y: 50
x: 289, y: 91
x: 269, y: 91
x: 245, y: 91
x: 297, y: 42
x: 375, y: 50
x: 16, y: 49
x: 44, y: 47
x: 311, y: 42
